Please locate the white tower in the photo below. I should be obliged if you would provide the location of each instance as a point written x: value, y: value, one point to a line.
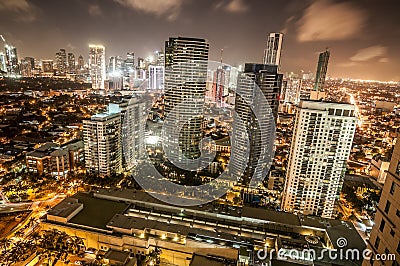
x: 322, y: 138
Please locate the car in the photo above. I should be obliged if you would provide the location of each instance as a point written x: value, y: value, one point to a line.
x: 78, y: 262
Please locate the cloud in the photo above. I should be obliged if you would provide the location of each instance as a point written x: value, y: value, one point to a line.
x: 21, y: 10
x: 369, y: 53
x: 288, y: 21
x: 163, y: 8
x: 384, y: 60
x: 232, y: 6
x: 348, y: 64
x: 237, y: 6
x: 71, y: 46
x: 324, y: 20
x: 95, y: 10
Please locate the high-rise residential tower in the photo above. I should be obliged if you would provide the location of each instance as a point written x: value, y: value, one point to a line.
x: 97, y: 66
x: 103, y: 142
x: 272, y: 54
x: 186, y: 61
x: 134, y: 115
x: 385, y: 235
x: 267, y: 79
x: 322, y: 68
x: 321, y: 143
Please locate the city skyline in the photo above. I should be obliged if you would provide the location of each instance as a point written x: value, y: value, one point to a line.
x: 351, y: 30
x: 212, y: 132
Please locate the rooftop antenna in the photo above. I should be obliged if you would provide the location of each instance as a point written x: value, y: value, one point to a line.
x: 222, y: 52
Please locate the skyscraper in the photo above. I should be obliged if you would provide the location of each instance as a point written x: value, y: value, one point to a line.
x: 266, y: 77
x: 293, y: 89
x: 186, y: 61
x: 385, y: 235
x: 130, y: 61
x: 97, y: 66
x: 322, y: 68
x: 11, y: 60
x: 71, y: 63
x: 103, y: 142
x: 61, y: 62
x: 3, y: 66
x: 218, y: 90
x: 47, y: 67
x: 27, y: 65
x: 134, y: 116
x: 272, y: 54
x: 81, y: 63
x: 321, y: 144
x: 156, y: 77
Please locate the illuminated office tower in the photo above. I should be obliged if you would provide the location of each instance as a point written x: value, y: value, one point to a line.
x: 159, y: 58
x: 322, y: 68
x: 156, y: 77
x: 61, y: 62
x: 129, y: 71
x: 186, y: 61
x: 116, y: 63
x: 385, y: 235
x: 3, y: 66
x: 97, y: 66
x: 11, y: 60
x: 115, y: 73
x: 81, y: 63
x: 247, y: 102
x: 218, y: 90
x: 272, y: 54
x: 27, y: 65
x: 47, y: 67
x: 103, y: 142
x: 293, y: 89
x: 130, y: 61
x: 71, y: 63
x: 321, y: 143
x: 141, y: 63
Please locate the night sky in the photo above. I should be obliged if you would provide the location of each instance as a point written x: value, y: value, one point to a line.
x: 363, y: 35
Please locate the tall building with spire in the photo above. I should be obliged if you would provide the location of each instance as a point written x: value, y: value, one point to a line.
x: 321, y: 143
x: 322, y: 68
x: 97, y: 66
x: 186, y: 61
x: 272, y: 54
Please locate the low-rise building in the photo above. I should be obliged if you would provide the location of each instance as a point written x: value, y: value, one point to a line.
x: 134, y: 221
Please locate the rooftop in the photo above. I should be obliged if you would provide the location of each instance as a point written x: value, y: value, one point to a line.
x: 65, y: 208
x: 96, y: 213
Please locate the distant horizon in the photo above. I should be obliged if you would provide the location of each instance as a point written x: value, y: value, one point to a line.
x: 359, y: 34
